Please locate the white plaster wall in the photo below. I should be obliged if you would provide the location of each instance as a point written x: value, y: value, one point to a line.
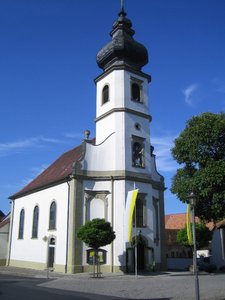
x: 115, y: 81
x: 38, y: 247
x: 99, y: 186
x: 121, y: 189
x: 115, y: 153
x: 119, y: 212
x: 105, y: 157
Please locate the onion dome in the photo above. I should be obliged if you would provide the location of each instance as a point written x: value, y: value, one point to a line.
x: 123, y: 50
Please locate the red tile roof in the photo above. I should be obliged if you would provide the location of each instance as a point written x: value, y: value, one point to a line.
x: 178, y: 221
x: 175, y: 221
x: 56, y: 172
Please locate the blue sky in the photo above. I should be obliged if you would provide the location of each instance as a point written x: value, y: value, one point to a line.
x: 48, y: 63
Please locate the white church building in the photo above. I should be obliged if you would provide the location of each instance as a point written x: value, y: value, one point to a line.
x: 93, y: 179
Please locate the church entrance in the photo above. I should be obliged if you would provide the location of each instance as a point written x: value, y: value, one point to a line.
x: 140, y: 257
x: 51, y: 252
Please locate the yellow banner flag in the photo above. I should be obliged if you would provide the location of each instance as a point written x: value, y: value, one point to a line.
x: 188, y: 224
x: 129, y: 211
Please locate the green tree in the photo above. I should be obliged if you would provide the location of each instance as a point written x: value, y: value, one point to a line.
x: 95, y: 234
x: 200, y: 149
x: 203, y: 236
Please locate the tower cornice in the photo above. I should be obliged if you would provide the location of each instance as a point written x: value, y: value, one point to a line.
x: 126, y: 110
x: 126, y: 68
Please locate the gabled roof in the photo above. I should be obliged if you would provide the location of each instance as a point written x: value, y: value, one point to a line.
x: 56, y: 172
x: 2, y: 215
x: 5, y: 221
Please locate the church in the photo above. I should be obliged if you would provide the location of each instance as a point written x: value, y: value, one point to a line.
x: 93, y: 179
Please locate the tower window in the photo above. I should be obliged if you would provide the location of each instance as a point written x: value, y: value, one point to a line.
x: 138, y: 154
x: 135, y: 92
x: 21, y: 224
x: 105, y: 94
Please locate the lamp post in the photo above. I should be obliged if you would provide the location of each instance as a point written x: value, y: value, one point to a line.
x: 192, y: 201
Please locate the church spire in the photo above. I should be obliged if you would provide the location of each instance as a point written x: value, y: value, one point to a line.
x: 123, y: 49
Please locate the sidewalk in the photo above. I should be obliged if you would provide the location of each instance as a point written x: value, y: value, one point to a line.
x: 164, y: 286
x: 23, y: 272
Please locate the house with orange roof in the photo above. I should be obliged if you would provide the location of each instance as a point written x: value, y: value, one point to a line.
x: 180, y: 257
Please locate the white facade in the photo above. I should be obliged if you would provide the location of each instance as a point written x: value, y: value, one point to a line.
x: 35, y: 250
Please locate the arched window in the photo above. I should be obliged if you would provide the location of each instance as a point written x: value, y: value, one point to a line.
x: 21, y: 224
x: 135, y: 92
x: 105, y: 94
x: 52, y: 216
x: 35, y: 222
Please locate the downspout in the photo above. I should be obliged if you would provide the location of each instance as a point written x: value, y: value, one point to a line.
x: 67, y: 225
x: 10, y: 234
x: 112, y: 223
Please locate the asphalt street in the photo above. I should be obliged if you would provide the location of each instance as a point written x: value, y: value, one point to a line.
x: 12, y: 288
x: 162, y: 286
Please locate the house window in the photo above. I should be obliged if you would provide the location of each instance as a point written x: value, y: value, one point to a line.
x: 35, y: 222
x: 21, y: 224
x: 105, y: 94
x: 52, y: 216
x: 138, y: 152
x: 140, y: 211
x: 135, y: 92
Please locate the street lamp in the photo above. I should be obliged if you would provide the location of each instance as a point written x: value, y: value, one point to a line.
x: 192, y: 201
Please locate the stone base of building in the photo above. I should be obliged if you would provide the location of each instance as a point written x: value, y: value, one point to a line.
x: 62, y: 268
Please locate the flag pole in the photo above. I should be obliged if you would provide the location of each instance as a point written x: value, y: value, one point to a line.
x: 135, y: 249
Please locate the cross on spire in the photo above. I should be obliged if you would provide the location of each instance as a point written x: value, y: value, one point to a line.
x: 122, y: 5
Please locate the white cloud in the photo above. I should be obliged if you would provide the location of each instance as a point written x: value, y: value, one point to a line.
x: 74, y: 135
x: 189, y: 94
x: 162, y: 149
x: 33, y: 142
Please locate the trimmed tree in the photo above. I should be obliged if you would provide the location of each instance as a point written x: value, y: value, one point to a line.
x: 203, y: 236
x: 95, y: 234
x: 200, y: 149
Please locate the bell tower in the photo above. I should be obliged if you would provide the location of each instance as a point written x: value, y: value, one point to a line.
x: 123, y: 156
x: 122, y: 106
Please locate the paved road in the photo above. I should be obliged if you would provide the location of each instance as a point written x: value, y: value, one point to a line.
x: 12, y: 288
x: 212, y: 287
x: 164, y: 286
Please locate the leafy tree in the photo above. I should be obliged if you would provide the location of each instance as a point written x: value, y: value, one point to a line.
x: 200, y: 149
x: 96, y: 233
x: 203, y: 236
